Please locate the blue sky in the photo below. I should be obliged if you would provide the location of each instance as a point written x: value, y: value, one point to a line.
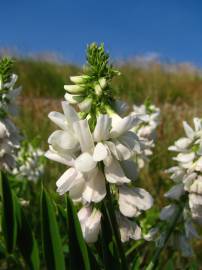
x: 171, y: 29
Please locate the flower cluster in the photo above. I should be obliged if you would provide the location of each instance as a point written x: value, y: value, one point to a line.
x: 29, y: 163
x: 146, y: 130
x: 98, y: 147
x: 187, y: 191
x: 9, y: 134
x: 91, y: 91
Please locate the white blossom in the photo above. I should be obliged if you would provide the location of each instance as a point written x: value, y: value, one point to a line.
x: 188, y: 184
x: 129, y: 229
x: 9, y: 94
x: 146, y: 130
x: 9, y: 142
x: 134, y: 200
x: 29, y: 163
x: 90, y: 223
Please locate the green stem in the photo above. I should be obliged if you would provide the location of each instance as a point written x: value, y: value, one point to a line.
x: 153, y: 264
x: 115, y: 228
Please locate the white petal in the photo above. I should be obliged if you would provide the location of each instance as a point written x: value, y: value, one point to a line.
x: 188, y: 130
x: 115, y: 174
x: 66, y: 181
x: 183, y: 143
x: 128, y: 229
x: 74, y: 88
x: 90, y: 223
x: 85, y: 163
x: 123, y: 152
x: 52, y: 155
x: 127, y: 209
x: 121, y: 107
x: 185, y: 158
x: 59, y: 119
x: 85, y: 105
x: 79, y: 79
x: 76, y: 191
x: 84, y: 135
x: 73, y: 99
x: 167, y: 212
x: 95, y: 189
x: 63, y: 139
x: 175, y: 192
x: 196, y: 187
x: 112, y: 148
x: 84, y: 213
x: 70, y: 113
x: 102, y: 128
x: 198, y: 165
x: 131, y: 140
x: 197, y: 123
x: 100, y: 152
x: 123, y: 125
x: 195, y: 200
x: 130, y: 169
x: 134, y: 198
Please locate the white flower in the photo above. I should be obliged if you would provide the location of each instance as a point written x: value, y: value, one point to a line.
x: 175, y: 192
x: 189, y: 185
x: 29, y: 163
x: 146, y: 130
x: 168, y: 212
x: 134, y: 200
x: 9, y: 142
x: 128, y: 228
x: 90, y: 223
x: 8, y: 98
x: 63, y: 143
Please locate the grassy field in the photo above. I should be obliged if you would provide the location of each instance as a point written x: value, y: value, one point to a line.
x: 175, y: 89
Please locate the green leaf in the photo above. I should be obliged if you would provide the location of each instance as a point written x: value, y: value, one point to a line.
x: 169, y: 265
x: 52, y: 244
x: 94, y: 265
x: 110, y: 255
x: 78, y: 251
x: 9, y: 225
x: 25, y: 239
x: 136, y: 263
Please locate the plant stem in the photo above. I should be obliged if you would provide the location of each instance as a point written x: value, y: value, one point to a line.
x: 152, y: 265
x: 115, y: 228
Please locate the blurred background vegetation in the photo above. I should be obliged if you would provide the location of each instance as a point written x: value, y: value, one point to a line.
x: 176, y: 89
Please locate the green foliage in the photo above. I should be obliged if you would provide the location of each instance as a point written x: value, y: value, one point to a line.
x: 26, y: 241
x: 78, y: 251
x: 9, y: 224
x: 109, y: 250
x: 6, y: 66
x: 98, y: 62
x: 52, y: 244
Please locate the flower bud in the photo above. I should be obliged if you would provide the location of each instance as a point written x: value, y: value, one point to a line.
x: 74, y: 88
x: 73, y: 99
x: 85, y: 105
x: 79, y: 79
x: 100, y: 86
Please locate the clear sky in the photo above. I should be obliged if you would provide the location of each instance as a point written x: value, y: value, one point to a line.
x: 170, y: 28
